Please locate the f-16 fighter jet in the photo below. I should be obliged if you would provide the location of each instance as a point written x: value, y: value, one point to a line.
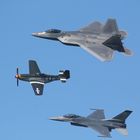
x: 97, y: 39
x: 97, y: 121
x: 38, y: 79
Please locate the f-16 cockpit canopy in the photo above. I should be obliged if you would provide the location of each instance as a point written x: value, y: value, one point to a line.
x: 53, y: 31
x: 71, y: 116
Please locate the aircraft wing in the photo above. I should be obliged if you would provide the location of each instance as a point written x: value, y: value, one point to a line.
x: 33, y: 67
x: 100, y: 51
x: 94, y: 27
x: 37, y: 87
x: 98, y: 114
x: 104, y: 131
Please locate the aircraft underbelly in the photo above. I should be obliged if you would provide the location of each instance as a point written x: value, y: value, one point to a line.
x: 79, y: 39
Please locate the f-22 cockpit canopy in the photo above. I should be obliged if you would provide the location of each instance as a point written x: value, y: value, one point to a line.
x: 53, y: 31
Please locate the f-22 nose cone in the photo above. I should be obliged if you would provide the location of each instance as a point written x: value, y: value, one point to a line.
x: 38, y: 34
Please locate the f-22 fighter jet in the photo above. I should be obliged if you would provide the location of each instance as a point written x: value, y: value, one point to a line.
x: 97, y: 39
x: 38, y: 79
x: 97, y: 121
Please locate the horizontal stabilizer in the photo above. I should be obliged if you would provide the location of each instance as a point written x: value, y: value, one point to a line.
x: 115, y: 43
x: 64, y: 75
x: 123, y: 131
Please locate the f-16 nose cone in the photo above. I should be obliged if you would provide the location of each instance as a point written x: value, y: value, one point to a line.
x: 56, y: 118
x: 60, y: 118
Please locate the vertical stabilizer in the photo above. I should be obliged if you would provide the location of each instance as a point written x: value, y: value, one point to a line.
x: 110, y: 27
x: 122, y: 116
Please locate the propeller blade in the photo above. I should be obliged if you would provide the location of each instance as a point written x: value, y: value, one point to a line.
x: 17, y: 73
x: 17, y: 82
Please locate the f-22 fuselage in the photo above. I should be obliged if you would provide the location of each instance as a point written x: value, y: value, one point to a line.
x: 97, y: 39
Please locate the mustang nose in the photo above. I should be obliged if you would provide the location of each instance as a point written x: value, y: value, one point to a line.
x: 17, y: 76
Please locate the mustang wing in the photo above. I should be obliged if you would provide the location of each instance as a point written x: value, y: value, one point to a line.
x: 33, y: 67
x: 37, y: 87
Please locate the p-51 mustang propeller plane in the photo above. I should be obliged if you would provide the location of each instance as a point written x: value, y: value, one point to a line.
x: 38, y: 79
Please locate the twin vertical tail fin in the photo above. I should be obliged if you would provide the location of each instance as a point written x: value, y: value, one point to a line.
x: 110, y: 27
x: 114, y: 42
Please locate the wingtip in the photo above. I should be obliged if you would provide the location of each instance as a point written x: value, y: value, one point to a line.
x: 130, y: 111
x: 128, y: 52
x: 96, y: 109
x: 105, y: 136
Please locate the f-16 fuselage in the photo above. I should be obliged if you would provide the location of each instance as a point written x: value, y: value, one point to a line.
x: 86, y: 122
x: 97, y: 121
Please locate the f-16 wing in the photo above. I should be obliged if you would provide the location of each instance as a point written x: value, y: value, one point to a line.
x: 33, y: 67
x: 104, y: 131
x: 37, y: 87
x: 98, y: 114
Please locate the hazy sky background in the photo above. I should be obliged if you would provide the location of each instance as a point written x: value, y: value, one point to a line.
x: 113, y: 86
